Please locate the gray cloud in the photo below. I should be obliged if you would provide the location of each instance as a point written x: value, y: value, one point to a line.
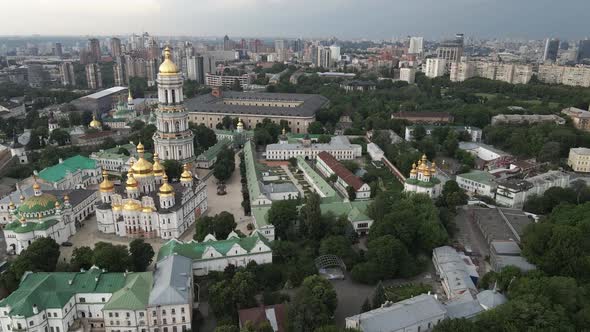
x: 305, y: 18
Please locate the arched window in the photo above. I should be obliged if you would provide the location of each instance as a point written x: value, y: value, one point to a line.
x: 177, y: 126
x: 166, y: 128
x: 173, y: 96
x: 166, y: 95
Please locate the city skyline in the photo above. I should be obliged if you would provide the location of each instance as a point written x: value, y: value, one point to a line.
x: 341, y: 18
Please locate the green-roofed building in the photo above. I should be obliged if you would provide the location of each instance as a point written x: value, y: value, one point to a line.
x: 99, y: 300
x: 208, y: 158
x: 72, y: 173
x: 55, y: 300
x: 478, y: 183
x: 49, y: 214
x: 216, y: 255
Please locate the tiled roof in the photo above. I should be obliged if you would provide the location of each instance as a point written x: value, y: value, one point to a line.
x: 341, y: 171
x: 58, y: 172
x: 214, y: 150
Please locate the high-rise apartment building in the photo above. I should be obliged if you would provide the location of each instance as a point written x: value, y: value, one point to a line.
x: 93, y: 76
x: 66, y: 73
x: 58, y: 50
x: 507, y: 72
x: 324, y: 57
x: 94, y: 49
x: 227, y: 46
x: 116, y: 47
x: 335, y: 53
x: 451, y: 50
x: 551, y: 50
x: 416, y: 45
x: 583, y: 50
x: 281, y: 50
x: 407, y: 75
x: 435, y: 67
x: 573, y: 76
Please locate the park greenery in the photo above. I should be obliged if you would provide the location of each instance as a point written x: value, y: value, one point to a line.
x: 225, y: 164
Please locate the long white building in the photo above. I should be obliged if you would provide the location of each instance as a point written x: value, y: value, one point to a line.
x: 339, y: 147
x: 98, y: 300
x: 215, y: 255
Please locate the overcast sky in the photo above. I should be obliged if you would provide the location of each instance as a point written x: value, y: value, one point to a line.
x: 299, y: 18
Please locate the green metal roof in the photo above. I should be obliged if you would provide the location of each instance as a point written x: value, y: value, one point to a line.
x: 52, y: 290
x: 354, y: 211
x: 214, y: 150
x: 58, y: 172
x: 251, y: 171
x: 35, y: 204
x: 327, y: 190
x: 194, y: 250
x: 433, y: 181
x: 135, y: 293
x: 479, y: 176
x: 30, y: 226
x: 260, y: 214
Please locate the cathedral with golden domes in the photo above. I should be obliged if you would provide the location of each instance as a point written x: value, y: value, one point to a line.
x: 423, y: 179
x: 148, y: 204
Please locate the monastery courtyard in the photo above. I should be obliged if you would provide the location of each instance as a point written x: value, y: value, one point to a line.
x: 88, y: 235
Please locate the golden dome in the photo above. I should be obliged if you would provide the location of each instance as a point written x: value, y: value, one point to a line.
x: 117, y: 207
x: 132, y: 205
x: 424, y: 158
x: 66, y: 198
x: 11, y: 205
x: 168, y: 67
x: 22, y: 219
x: 186, y: 175
x: 106, y: 185
x: 131, y: 182
x: 240, y: 124
x: 142, y: 167
x: 36, y: 186
x: 413, y: 171
x: 157, y: 168
x: 57, y: 205
x: 147, y: 209
x: 426, y: 172
x: 129, y: 98
x: 21, y: 198
x: 166, y: 188
x: 95, y: 123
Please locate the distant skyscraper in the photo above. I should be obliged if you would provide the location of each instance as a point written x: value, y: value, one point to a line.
x: 153, y: 51
x: 416, y: 45
x: 94, y: 49
x: 551, y: 50
x: 451, y: 50
x: 281, y: 50
x: 36, y: 75
x: 335, y: 53
x: 435, y: 67
x: 58, y: 50
x: 583, y: 50
x: 66, y: 72
x: 227, y: 43
x: 324, y: 57
x: 116, y: 47
x: 93, y: 76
